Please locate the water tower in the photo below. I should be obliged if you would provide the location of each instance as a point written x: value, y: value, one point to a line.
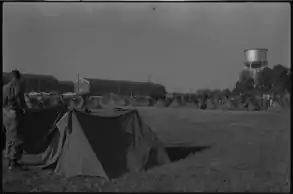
x: 255, y: 60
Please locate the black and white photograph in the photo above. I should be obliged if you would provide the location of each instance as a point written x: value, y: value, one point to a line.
x: 146, y: 96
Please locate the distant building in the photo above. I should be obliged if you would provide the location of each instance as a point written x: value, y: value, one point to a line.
x: 65, y: 86
x: 99, y: 87
x: 82, y: 86
x: 35, y: 82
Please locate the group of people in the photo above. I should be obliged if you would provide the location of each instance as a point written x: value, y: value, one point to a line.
x: 14, y: 108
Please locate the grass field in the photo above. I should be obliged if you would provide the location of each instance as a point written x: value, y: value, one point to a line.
x: 245, y: 151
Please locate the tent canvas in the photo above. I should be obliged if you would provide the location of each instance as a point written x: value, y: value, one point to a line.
x: 175, y: 104
x: 106, y: 143
x: 227, y: 105
x: 93, y: 102
x: 250, y: 106
x: 107, y: 101
x: 210, y: 105
x: 140, y: 101
x: 190, y: 105
x: 275, y: 106
x: 76, y: 102
x: 160, y: 103
x: 118, y: 100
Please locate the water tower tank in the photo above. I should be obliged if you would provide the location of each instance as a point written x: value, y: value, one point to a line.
x: 256, y: 58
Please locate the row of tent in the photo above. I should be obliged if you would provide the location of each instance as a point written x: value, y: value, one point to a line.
x: 112, y: 100
x: 107, y: 143
x: 76, y: 101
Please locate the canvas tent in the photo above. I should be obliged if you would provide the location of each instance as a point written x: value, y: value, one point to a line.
x: 250, y: 106
x: 275, y: 106
x: 238, y: 105
x: 286, y: 100
x: 140, y: 101
x: 77, y: 102
x: 93, y: 102
x: 108, y: 101
x: 159, y: 104
x: 190, y: 105
x: 175, y: 103
x: 119, y: 101
x: 210, y: 105
x: 227, y: 105
x: 107, y: 144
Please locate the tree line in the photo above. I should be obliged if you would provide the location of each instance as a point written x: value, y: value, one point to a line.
x: 275, y: 81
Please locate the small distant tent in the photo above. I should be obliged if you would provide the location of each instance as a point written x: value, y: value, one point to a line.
x: 77, y: 102
x: 107, y: 144
x: 210, y: 105
x: 200, y: 104
x: 119, y: 101
x: 190, y: 105
x: 168, y: 101
x: 238, y: 105
x: 93, y: 102
x: 159, y: 104
x: 107, y: 101
x: 251, y: 106
x: 175, y: 103
x: 275, y: 106
x: 182, y: 100
x: 140, y: 101
x: 127, y: 100
x: 286, y: 100
x: 227, y: 105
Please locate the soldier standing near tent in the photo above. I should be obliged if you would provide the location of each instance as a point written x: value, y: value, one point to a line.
x: 13, y: 109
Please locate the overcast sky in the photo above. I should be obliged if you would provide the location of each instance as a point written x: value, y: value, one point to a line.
x: 181, y: 45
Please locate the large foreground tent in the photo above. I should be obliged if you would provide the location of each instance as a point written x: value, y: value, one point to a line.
x: 106, y: 143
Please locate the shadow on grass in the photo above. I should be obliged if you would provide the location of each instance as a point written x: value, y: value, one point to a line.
x: 176, y: 153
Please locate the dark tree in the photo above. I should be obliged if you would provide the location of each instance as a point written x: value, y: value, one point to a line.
x: 226, y: 92
x: 264, y: 79
x: 280, y: 79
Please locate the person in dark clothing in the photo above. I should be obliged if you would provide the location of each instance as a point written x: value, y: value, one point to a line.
x: 13, y: 109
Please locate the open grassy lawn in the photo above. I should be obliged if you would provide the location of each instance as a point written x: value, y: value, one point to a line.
x: 244, y: 151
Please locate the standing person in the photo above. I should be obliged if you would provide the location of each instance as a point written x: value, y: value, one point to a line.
x: 13, y: 109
